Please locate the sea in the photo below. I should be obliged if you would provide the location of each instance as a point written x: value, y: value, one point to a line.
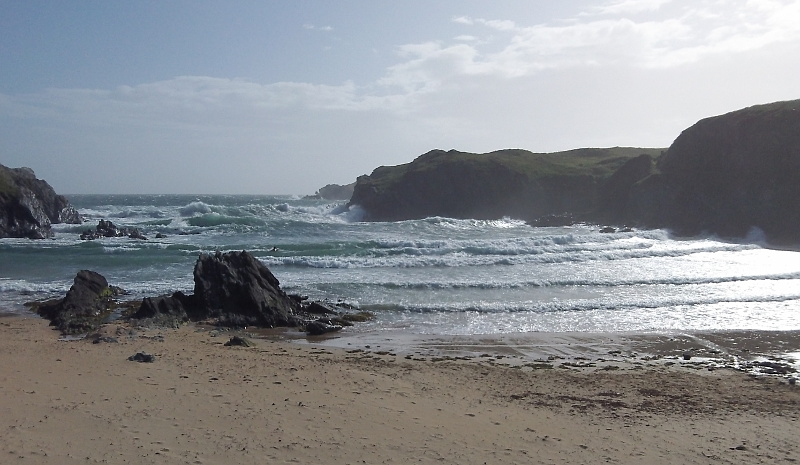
x: 434, y: 276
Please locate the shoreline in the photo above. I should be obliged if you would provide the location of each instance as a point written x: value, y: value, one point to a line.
x: 756, y: 352
x: 75, y: 401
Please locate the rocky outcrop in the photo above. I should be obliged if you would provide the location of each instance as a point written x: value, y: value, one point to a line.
x: 728, y: 174
x: 235, y: 289
x: 29, y: 206
x: 724, y: 175
x: 336, y: 192
x: 514, y: 183
x: 241, y: 291
x: 106, y: 228
x: 87, y: 303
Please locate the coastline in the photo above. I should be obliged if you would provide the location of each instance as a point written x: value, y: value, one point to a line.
x: 280, y: 401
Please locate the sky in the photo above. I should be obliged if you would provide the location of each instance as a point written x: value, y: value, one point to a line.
x: 284, y: 97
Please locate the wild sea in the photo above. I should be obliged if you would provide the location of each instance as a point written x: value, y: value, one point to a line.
x: 436, y: 276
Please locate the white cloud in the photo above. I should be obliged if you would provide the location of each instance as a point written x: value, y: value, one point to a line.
x: 592, y: 79
x: 312, y: 27
x: 627, y: 7
x: 635, y: 33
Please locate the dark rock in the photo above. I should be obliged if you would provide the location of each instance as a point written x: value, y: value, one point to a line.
x: 513, y: 183
x: 298, y: 299
x: 239, y: 290
x: 554, y: 220
x: 608, y: 229
x: 616, y: 191
x: 86, y: 304
x: 728, y: 174
x: 336, y: 192
x: 318, y: 308
x: 320, y: 327
x: 240, y: 342
x: 29, y: 206
x: 136, y: 234
x: 142, y: 357
x: 166, y: 310
x: 235, y: 289
x: 106, y: 228
x: 358, y: 317
x: 775, y: 368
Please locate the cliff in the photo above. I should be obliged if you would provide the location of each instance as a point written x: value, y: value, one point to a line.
x: 514, y: 183
x: 728, y: 174
x: 335, y: 192
x: 29, y: 206
x: 724, y: 175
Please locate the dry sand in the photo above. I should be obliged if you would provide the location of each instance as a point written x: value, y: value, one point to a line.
x: 201, y: 402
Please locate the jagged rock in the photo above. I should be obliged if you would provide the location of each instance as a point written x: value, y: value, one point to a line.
x: 86, y: 304
x: 142, y: 357
x: 106, y: 228
x: 241, y: 291
x: 318, y: 308
x: 29, y: 206
x: 233, y: 288
x: 167, y: 310
x: 320, y: 327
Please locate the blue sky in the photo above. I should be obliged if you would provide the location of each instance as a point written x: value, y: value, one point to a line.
x: 287, y: 96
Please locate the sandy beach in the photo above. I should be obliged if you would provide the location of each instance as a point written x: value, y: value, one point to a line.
x: 201, y: 402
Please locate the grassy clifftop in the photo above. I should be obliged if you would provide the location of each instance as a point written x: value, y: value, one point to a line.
x: 512, y: 182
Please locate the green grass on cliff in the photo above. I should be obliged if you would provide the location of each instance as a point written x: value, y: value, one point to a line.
x: 599, y: 163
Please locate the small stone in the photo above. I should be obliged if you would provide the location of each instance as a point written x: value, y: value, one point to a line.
x: 240, y: 341
x: 142, y: 357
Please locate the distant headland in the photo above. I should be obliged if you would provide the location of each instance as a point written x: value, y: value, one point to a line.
x: 728, y: 175
x: 725, y: 175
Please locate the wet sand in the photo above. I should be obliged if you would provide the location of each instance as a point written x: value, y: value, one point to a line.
x: 539, y: 398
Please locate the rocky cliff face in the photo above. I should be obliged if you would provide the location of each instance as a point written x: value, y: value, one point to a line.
x: 724, y: 175
x: 336, y: 192
x: 28, y: 206
x: 727, y: 174
x: 514, y: 183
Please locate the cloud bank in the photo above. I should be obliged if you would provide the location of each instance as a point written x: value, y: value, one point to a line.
x: 581, y: 80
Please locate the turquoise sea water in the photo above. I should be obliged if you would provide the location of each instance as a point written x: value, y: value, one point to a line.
x: 431, y: 276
